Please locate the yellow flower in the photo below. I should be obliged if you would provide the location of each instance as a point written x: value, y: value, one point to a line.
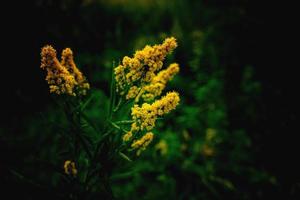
x: 145, y: 116
x: 63, y: 77
x: 67, y: 61
x: 151, y: 91
x: 120, y: 78
x: 139, y: 77
x: 59, y: 79
x: 142, y: 143
x: 70, y: 168
x: 141, y: 68
x: 153, y: 56
x: 159, y: 82
x: 133, y: 92
x: 166, y: 75
x: 127, y: 136
x: 162, y: 146
x: 166, y: 103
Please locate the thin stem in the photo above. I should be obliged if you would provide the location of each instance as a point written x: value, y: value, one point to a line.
x: 117, y: 127
x: 124, y: 122
x: 112, y: 92
x: 118, y: 105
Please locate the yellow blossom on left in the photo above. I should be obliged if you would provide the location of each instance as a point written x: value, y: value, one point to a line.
x: 67, y: 61
x: 63, y: 77
x: 59, y: 79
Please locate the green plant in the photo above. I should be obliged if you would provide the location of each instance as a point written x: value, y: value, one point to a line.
x: 92, y: 150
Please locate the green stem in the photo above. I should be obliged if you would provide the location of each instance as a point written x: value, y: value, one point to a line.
x: 118, y: 105
x: 124, y: 122
x: 117, y: 127
x: 112, y: 92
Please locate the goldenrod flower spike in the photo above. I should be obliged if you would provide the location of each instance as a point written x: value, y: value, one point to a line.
x: 142, y: 143
x: 166, y: 103
x: 159, y: 82
x: 67, y: 61
x: 133, y: 92
x: 59, y: 79
x: 142, y: 67
x: 145, y: 116
x: 166, y: 75
x: 127, y: 136
x: 70, y: 168
x: 63, y: 77
x: 120, y: 77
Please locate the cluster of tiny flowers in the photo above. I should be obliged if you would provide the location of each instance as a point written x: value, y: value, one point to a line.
x: 136, y: 72
x: 141, y: 78
x: 142, y: 143
x: 159, y: 82
x: 67, y: 60
x: 70, y: 168
x: 63, y: 77
x: 144, y: 117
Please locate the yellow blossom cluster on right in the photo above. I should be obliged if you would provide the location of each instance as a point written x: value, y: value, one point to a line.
x: 139, y: 76
x: 145, y: 116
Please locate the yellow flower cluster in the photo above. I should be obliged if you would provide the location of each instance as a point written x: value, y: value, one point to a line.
x: 133, y: 92
x: 140, y: 77
x: 67, y: 60
x: 142, y: 67
x: 159, y: 82
x: 144, y: 117
x: 70, y: 168
x: 63, y: 77
x: 162, y: 147
x: 142, y: 143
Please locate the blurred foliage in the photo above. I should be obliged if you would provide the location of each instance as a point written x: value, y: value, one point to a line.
x: 199, y: 152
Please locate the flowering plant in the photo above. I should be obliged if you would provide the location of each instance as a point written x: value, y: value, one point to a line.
x: 136, y: 103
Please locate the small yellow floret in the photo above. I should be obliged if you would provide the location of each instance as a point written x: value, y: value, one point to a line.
x: 70, y: 168
x: 142, y: 143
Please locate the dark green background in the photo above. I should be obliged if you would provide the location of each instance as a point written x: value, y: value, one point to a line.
x: 238, y: 36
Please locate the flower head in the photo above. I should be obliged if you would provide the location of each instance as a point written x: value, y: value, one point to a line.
x: 139, y: 77
x: 127, y: 136
x: 63, y: 77
x: 141, y: 144
x: 70, y: 168
x: 143, y: 66
x: 67, y: 61
x: 145, y: 116
x: 59, y: 79
x: 159, y: 82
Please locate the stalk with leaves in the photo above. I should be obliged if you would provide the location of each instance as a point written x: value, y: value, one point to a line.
x: 136, y: 103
